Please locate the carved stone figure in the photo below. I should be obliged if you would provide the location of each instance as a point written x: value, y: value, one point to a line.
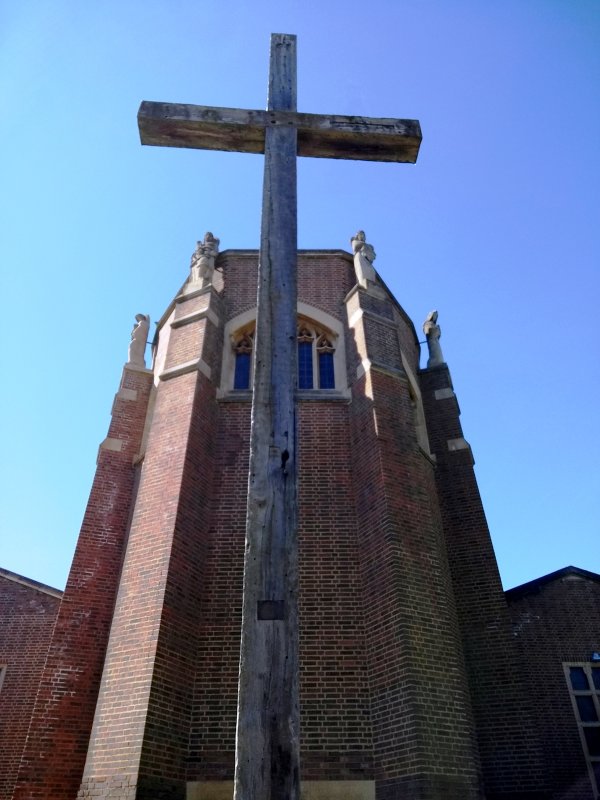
x: 433, y: 332
x: 364, y: 255
x: 139, y: 337
x: 203, y: 259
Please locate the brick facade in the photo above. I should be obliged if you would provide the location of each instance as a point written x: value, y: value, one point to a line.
x: 27, y: 614
x: 64, y: 709
x: 509, y: 743
x: 410, y: 684
x: 556, y: 621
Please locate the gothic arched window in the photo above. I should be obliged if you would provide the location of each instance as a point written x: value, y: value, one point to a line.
x: 325, y: 351
x: 316, y: 368
x: 305, y: 357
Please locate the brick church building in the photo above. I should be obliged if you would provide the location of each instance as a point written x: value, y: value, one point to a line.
x: 421, y: 679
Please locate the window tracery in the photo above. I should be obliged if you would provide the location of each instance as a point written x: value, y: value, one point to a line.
x: 316, y: 349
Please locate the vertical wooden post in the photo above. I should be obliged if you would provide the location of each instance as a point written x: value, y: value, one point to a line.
x: 267, y: 746
x: 267, y: 736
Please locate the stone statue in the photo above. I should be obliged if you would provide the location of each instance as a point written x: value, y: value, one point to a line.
x: 364, y: 255
x: 203, y: 259
x: 433, y: 332
x: 139, y: 337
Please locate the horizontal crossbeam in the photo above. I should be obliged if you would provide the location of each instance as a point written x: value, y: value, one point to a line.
x: 241, y: 130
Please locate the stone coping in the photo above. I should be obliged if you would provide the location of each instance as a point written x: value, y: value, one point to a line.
x: 30, y: 583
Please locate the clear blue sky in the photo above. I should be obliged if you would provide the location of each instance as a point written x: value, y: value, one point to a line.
x: 497, y: 226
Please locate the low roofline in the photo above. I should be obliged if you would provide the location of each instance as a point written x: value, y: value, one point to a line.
x: 311, y: 252
x: 30, y: 583
x: 538, y: 583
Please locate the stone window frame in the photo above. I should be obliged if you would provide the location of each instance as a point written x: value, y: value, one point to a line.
x: 320, y: 322
x: 593, y: 691
x: 3, y: 668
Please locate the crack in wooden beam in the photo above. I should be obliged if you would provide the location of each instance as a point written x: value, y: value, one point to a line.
x: 241, y: 130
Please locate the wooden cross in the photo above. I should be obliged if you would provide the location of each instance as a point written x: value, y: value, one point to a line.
x: 267, y: 737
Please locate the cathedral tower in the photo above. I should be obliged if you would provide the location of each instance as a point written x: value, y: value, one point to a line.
x: 406, y: 685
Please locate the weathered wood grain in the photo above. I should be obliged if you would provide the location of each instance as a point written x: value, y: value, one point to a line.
x: 267, y: 735
x: 240, y: 130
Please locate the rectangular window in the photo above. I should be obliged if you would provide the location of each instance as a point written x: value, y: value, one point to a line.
x: 583, y: 681
x: 305, y: 365
x: 241, y: 379
x: 326, y: 376
x: 579, y: 679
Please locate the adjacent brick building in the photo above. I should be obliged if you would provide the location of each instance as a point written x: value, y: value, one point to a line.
x: 418, y: 678
x: 556, y: 623
x: 27, y: 615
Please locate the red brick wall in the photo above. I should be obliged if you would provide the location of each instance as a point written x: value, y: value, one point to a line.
x: 343, y: 660
x: 392, y: 585
x: 376, y: 598
x: 183, y: 575
x: 557, y: 622
x: 27, y: 615
x: 508, y: 739
x: 336, y: 735
x: 142, y: 722
x: 422, y: 731
x: 324, y: 278
x: 54, y: 757
x: 323, y: 281
x: 212, y: 734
